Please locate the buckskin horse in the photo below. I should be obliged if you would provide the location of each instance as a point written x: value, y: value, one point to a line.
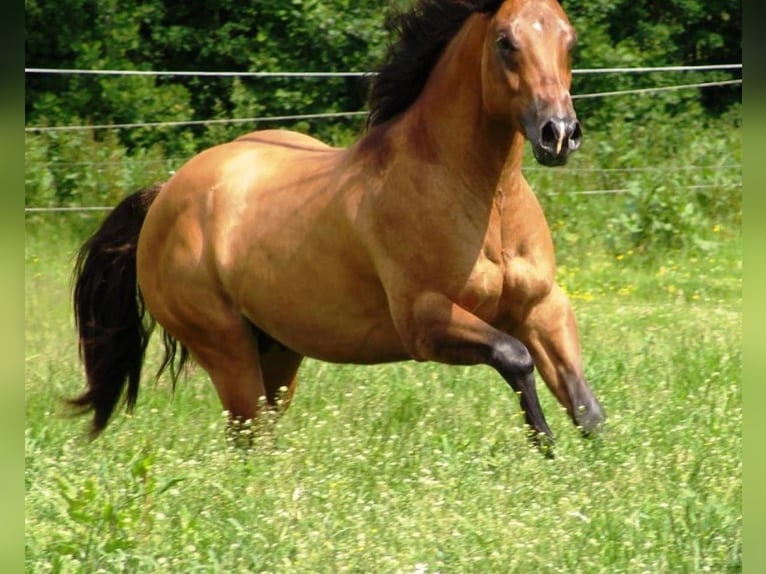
x: 421, y: 241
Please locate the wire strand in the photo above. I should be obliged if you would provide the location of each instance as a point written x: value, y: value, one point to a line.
x: 649, y: 69
x: 298, y: 117
x: 169, y: 161
x: 615, y: 191
x: 224, y: 74
x: 197, y: 122
x: 655, y: 89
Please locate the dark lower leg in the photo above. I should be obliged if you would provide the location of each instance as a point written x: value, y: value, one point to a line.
x: 447, y: 333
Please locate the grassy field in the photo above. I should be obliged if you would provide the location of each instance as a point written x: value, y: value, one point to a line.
x: 409, y: 468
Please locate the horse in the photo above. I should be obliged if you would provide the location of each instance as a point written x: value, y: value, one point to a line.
x: 420, y: 241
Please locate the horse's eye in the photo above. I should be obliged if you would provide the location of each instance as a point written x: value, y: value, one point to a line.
x: 505, y: 46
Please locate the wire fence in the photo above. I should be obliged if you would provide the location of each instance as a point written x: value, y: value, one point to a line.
x: 295, y: 117
x: 591, y: 192
x: 224, y: 74
x: 178, y: 161
x: 335, y: 115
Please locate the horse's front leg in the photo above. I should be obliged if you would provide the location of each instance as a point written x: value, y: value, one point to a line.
x: 439, y: 330
x: 550, y: 333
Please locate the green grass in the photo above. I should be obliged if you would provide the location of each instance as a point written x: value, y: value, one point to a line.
x: 408, y: 467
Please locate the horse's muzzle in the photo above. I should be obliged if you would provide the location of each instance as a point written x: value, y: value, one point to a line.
x: 557, y: 138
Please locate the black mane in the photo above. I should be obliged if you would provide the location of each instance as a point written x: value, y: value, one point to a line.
x: 421, y: 35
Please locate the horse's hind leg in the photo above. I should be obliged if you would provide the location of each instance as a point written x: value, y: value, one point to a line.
x: 228, y: 350
x: 550, y: 334
x: 249, y: 372
x: 279, y: 366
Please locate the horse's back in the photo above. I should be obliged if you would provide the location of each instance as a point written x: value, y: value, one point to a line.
x: 285, y: 138
x: 213, y: 190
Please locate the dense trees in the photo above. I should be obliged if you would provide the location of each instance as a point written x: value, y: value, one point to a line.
x: 299, y: 35
x: 97, y: 167
x: 646, y: 33
x: 265, y: 36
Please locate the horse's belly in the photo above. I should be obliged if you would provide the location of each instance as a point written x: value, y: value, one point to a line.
x: 322, y: 300
x: 339, y: 328
x: 367, y: 343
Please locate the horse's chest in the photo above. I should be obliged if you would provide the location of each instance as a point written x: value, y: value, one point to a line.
x: 502, y: 291
x: 482, y: 292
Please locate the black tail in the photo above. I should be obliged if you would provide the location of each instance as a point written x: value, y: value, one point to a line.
x: 112, y: 322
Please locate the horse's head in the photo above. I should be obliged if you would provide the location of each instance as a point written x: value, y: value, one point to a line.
x: 527, y: 74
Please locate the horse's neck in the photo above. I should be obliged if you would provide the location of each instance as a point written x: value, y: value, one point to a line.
x: 448, y: 121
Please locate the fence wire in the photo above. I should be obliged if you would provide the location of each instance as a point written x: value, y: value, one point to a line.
x: 335, y: 115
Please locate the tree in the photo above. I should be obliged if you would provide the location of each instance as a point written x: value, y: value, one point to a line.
x: 633, y: 33
x: 328, y: 35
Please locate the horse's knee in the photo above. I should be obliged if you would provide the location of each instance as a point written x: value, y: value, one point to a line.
x: 510, y: 354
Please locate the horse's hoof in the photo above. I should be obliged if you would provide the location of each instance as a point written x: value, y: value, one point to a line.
x: 590, y: 419
x: 545, y: 444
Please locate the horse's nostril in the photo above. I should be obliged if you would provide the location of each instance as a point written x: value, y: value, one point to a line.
x: 576, y: 131
x: 575, y: 135
x: 560, y: 135
x: 548, y: 134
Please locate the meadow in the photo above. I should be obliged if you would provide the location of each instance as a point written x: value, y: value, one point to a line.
x: 408, y: 468
x: 403, y: 468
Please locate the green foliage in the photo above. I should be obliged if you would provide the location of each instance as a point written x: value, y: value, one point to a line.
x: 642, y: 33
x: 308, y: 35
x: 686, y: 204
x: 656, y: 186
x: 661, y: 137
x: 76, y: 169
x: 400, y: 468
x: 268, y: 36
